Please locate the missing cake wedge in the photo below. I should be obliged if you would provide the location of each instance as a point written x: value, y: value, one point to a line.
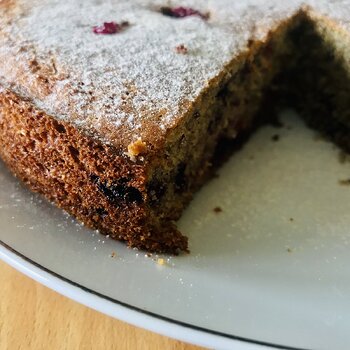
x: 116, y: 112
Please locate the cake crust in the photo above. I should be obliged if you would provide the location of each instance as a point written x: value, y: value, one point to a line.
x: 81, y: 175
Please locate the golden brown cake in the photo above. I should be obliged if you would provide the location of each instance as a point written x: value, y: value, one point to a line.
x: 117, y: 111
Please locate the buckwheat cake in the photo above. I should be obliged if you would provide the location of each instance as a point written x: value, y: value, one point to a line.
x: 116, y: 110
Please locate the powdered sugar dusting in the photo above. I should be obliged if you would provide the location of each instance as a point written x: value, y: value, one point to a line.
x: 125, y: 86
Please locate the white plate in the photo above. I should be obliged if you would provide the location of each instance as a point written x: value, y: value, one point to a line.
x: 271, y: 269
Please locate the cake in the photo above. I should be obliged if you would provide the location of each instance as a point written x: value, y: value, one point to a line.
x: 118, y: 111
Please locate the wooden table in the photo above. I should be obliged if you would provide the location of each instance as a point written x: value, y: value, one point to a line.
x: 35, y: 317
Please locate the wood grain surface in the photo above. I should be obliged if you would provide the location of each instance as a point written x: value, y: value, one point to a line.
x: 35, y: 317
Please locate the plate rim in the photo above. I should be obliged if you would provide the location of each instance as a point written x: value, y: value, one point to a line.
x: 128, y: 313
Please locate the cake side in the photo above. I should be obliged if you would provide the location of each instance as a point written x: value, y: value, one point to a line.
x: 81, y: 175
x: 225, y: 113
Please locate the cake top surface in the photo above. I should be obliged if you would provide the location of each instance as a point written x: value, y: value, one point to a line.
x: 139, y: 82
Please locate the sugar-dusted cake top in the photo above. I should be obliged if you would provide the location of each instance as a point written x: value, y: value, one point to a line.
x: 139, y: 81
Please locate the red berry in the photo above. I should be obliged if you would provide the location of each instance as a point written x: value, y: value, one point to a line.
x: 109, y: 28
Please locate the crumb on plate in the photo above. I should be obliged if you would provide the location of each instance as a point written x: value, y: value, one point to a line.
x: 217, y: 210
